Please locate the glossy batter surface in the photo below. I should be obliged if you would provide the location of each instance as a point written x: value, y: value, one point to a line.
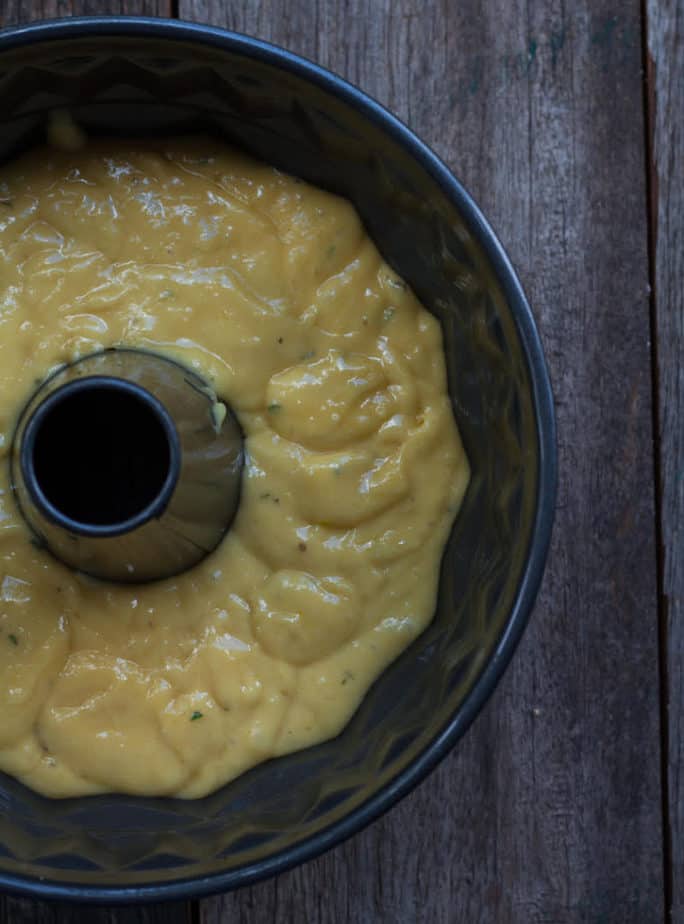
x: 272, y: 290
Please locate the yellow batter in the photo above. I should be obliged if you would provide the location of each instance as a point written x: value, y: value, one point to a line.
x: 272, y: 290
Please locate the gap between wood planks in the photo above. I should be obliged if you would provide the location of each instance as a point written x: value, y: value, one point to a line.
x: 649, y: 103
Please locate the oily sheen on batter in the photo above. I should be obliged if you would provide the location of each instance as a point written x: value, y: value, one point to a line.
x: 273, y: 292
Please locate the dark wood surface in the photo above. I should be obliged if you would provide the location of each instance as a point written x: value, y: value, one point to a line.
x: 552, y: 808
x: 665, y: 43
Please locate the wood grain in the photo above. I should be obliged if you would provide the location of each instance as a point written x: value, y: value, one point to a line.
x: 18, y: 11
x: 22, y: 911
x: 549, y: 811
x: 666, y: 71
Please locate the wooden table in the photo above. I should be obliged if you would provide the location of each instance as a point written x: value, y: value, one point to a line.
x: 565, y: 802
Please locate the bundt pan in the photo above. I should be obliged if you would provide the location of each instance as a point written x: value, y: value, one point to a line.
x: 139, y: 77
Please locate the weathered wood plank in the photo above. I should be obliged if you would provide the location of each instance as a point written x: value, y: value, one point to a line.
x: 17, y: 11
x: 550, y: 809
x: 665, y: 25
x: 20, y: 911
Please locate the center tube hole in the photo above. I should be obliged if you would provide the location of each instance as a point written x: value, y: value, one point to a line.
x: 101, y: 451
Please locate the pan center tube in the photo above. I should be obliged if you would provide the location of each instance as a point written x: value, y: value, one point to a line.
x: 127, y: 466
